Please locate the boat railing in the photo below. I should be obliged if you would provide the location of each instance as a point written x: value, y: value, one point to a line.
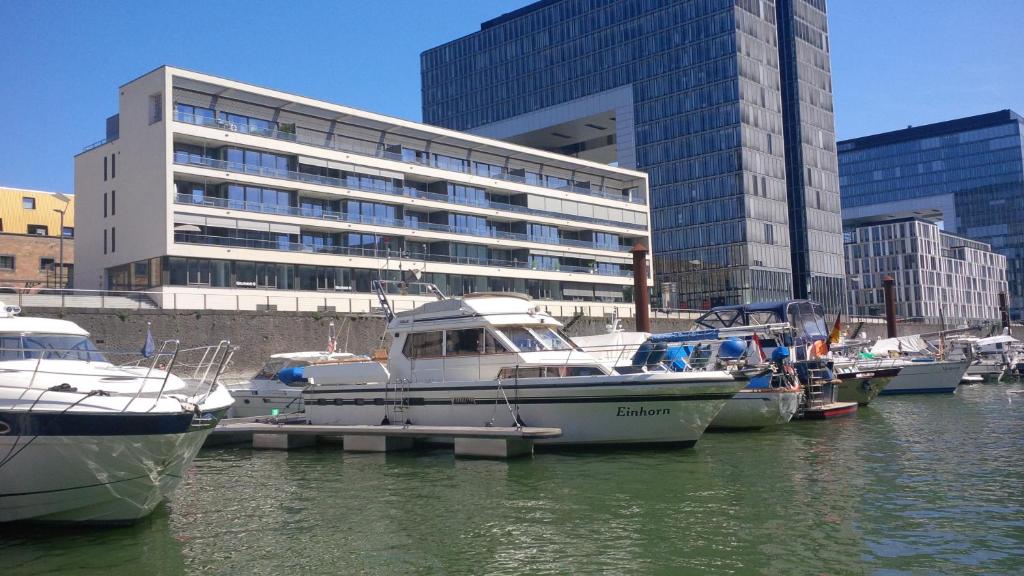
x: 203, y: 366
x: 158, y: 366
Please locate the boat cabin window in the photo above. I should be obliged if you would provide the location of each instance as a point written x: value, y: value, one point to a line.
x: 509, y: 373
x: 536, y: 338
x: 49, y: 347
x: 423, y: 345
x: 471, y: 342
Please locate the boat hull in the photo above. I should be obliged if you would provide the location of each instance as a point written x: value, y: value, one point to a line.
x: 927, y: 378
x: 753, y: 409
x: 650, y: 409
x: 93, y: 479
x: 989, y: 372
x: 863, y: 387
x: 830, y: 411
x: 249, y: 403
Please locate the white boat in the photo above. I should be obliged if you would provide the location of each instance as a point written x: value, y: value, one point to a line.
x: 277, y: 388
x: 498, y: 359
x: 760, y: 406
x: 767, y: 400
x: 920, y: 371
x: 83, y: 440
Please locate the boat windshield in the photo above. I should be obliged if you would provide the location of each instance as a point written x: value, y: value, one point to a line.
x: 48, y: 347
x: 271, y: 368
x: 808, y: 319
x: 552, y: 339
x: 535, y: 338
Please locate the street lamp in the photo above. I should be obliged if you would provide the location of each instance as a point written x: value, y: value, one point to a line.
x: 60, y: 271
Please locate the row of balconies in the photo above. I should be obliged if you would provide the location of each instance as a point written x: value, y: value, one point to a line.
x: 287, y: 245
x: 328, y: 141
x: 186, y: 159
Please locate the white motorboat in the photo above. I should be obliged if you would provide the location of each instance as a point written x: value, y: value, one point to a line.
x: 986, y: 361
x: 83, y: 440
x: 921, y: 372
x: 498, y: 359
x: 277, y: 388
x: 767, y: 400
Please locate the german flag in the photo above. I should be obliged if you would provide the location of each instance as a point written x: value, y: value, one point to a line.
x: 833, y: 336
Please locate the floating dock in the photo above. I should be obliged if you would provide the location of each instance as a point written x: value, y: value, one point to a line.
x: 469, y: 441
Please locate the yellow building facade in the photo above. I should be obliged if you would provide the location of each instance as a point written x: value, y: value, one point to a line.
x: 33, y: 241
x: 25, y: 211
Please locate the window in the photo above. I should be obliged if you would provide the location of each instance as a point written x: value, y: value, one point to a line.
x: 67, y: 232
x: 113, y: 239
x: 156, y: 112
x: 28, y: 203
x: 46, y: 264
x: 104, y: 204
x: 463, y: 342
x: 104, y: 240
x: 422, y: 345
x: 113, y: 202
x: 113, y: 166
x: 104, y: 168
x: 6, y: 262
x: 37, y: 229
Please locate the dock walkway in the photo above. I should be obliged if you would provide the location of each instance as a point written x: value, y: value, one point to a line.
x: 471, y: 441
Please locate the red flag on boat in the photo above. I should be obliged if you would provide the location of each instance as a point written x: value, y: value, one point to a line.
x: 757, y: 342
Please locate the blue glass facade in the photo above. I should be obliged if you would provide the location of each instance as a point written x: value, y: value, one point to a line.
x: 708, y: 111
x: 968, y: 172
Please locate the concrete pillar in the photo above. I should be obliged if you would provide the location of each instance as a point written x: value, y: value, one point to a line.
x: 889, y: 289
x: 493, y: 447
x: 376, y: 444
x: 282, y: 441
x: 641, y: 299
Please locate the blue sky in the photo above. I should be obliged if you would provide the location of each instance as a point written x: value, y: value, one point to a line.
x: 895, y: 62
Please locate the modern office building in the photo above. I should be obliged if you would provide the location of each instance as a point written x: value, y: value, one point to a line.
x: 726, y: 104
x: 938, y: 275
x: 35, y: 239
x: 967, y: 173
x: 221, y: 192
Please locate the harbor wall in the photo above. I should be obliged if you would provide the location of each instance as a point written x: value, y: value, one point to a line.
x: 259, y: 334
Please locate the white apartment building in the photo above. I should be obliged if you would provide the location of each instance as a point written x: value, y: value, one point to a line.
x: 213, y: 193
x: 933, y: 271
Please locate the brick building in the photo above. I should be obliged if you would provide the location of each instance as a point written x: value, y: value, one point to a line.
x: 31, y: 235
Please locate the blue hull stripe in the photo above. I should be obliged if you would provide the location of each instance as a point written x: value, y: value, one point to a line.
x: 888, y: 392
x: 78, y: 424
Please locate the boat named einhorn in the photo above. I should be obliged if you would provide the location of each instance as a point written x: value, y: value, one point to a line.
x: 498, y: 359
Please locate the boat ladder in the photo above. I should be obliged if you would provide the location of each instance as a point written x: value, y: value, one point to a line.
x: 396, y: 402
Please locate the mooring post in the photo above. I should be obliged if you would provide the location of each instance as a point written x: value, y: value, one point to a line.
x: 641, y: 300
x: 1004, y: 310
x: 889, y: 288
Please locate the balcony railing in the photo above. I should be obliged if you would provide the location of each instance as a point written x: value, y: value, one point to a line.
x: 333, y: 216
x: 287, y: 246
x: 187, y: 159
x: 329, y: 142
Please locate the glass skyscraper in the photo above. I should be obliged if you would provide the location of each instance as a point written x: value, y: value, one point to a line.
x: 726, y: 104
x: 968, y: 173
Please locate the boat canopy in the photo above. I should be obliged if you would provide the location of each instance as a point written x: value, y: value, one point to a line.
x: 999, y: 339
x: 909, y: 344
x: 806, y: 316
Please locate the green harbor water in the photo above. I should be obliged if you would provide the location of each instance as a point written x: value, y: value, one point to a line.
x: 910, y: 485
